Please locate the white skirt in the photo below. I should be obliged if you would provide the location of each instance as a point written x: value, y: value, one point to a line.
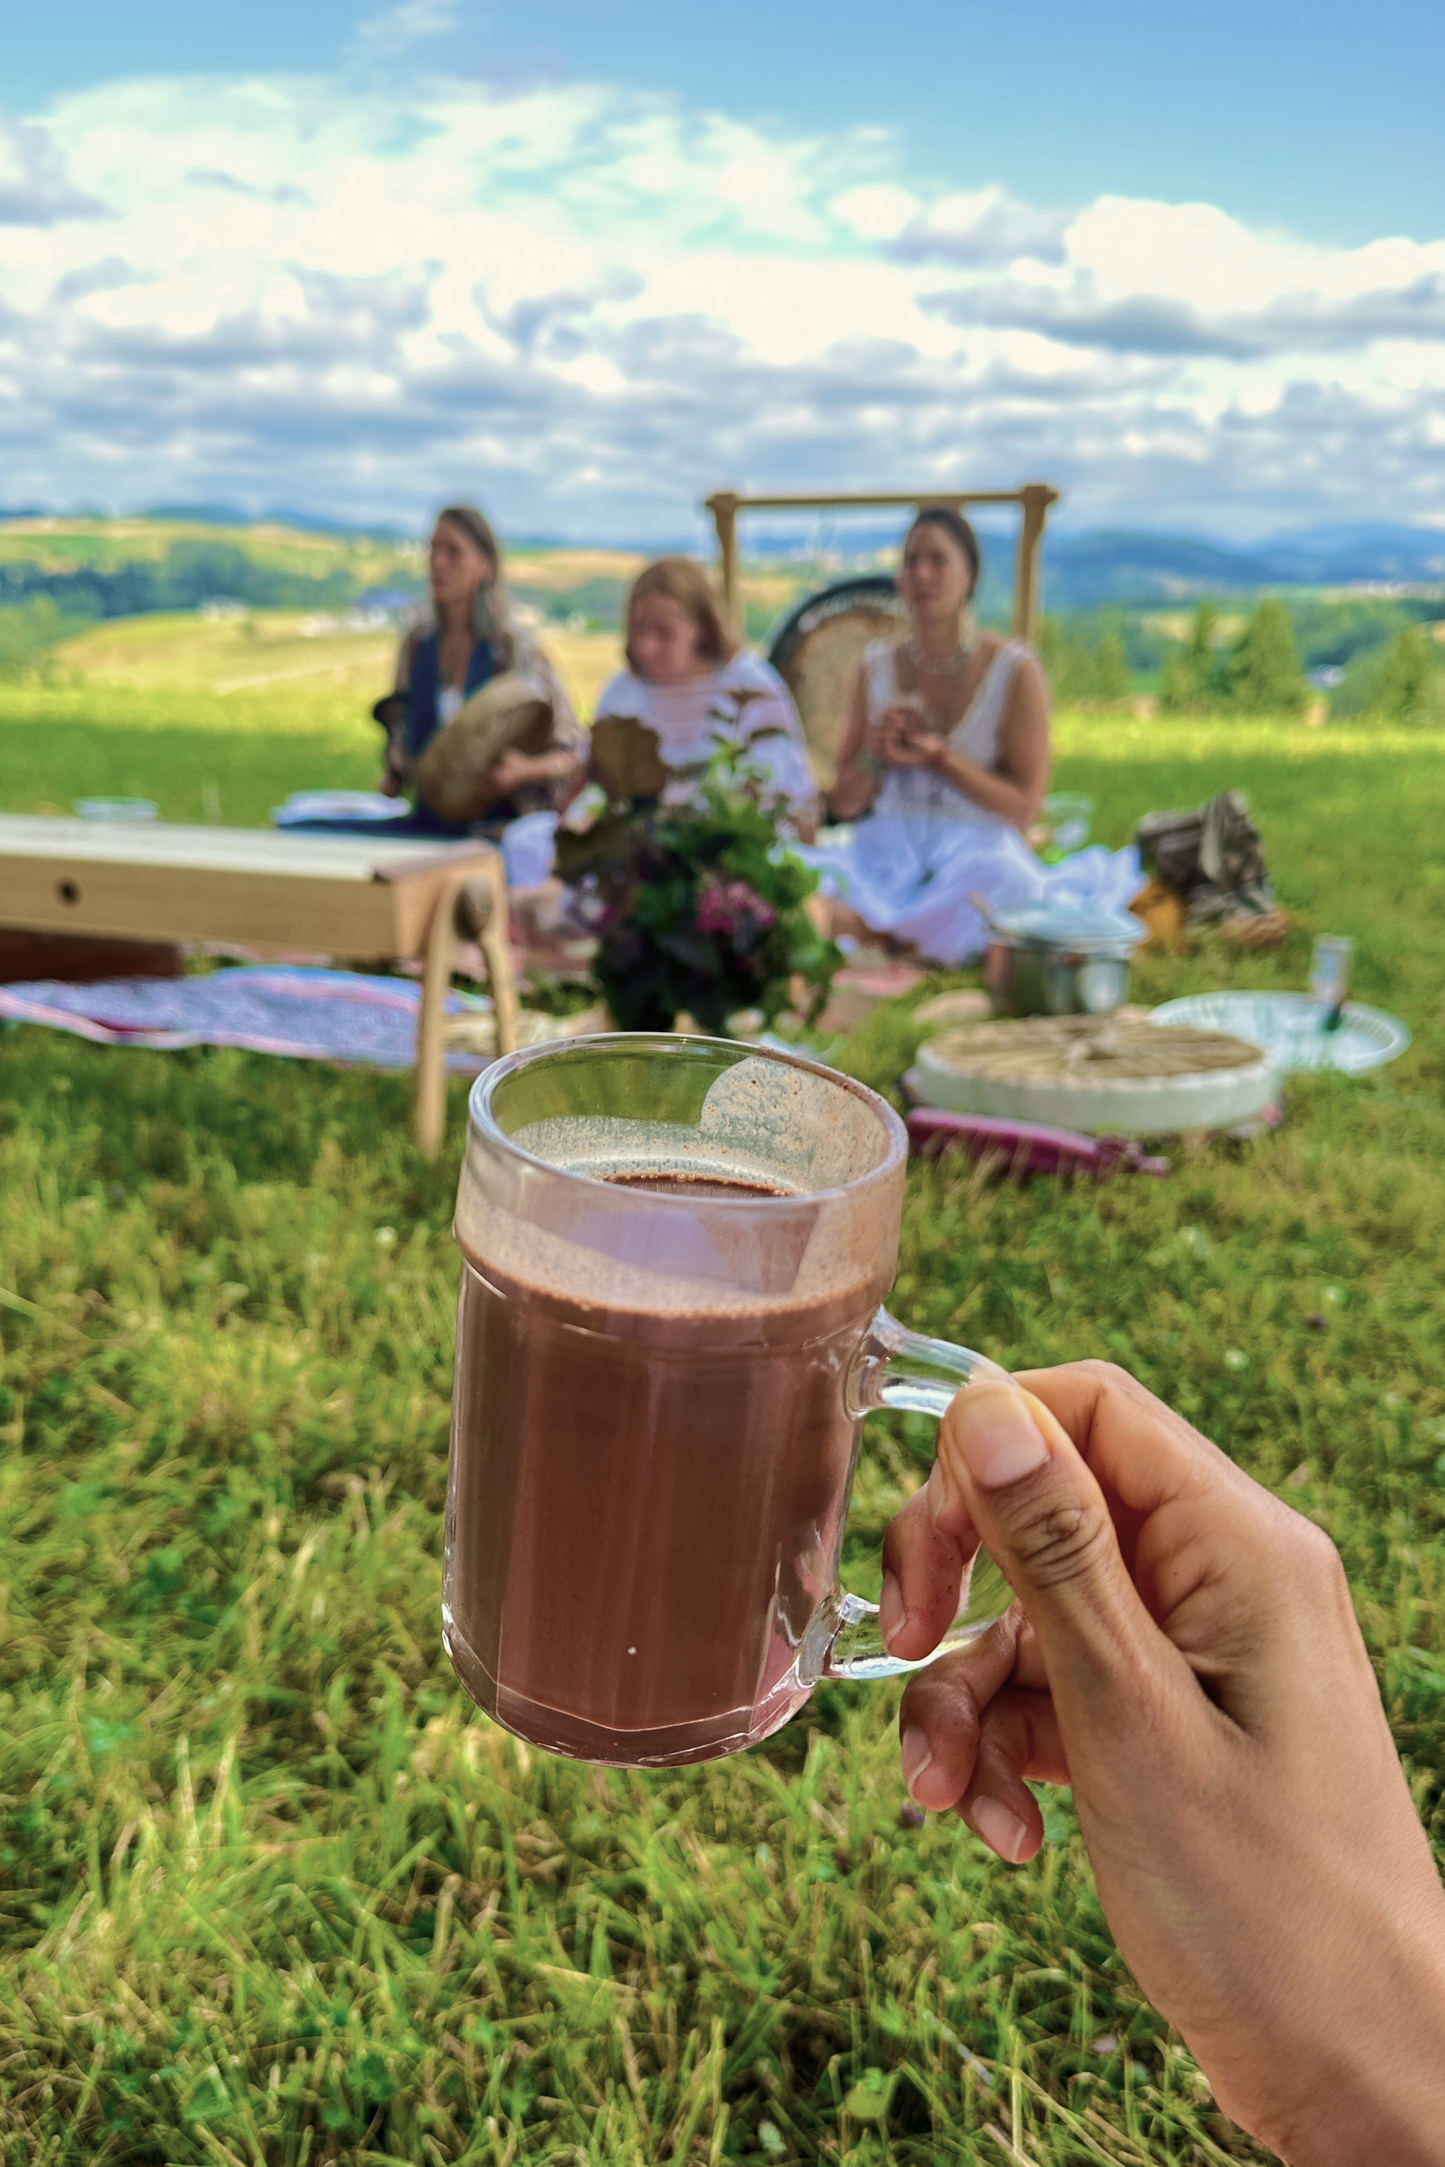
x: 910, y: 875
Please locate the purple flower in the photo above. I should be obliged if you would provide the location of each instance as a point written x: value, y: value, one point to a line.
x: 731, y: 908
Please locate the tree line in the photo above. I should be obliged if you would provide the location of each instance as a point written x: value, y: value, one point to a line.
x: 188, y: 574
x: 1259, y: 672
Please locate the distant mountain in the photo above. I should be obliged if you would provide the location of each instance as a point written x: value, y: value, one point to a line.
x: 1123, y: 567
x: 1083, y: 571
x: 1369, y: 551
x: 227, y: 515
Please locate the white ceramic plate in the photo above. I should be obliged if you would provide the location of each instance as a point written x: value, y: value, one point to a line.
x: 117, y: 808
x: 339, y: 805
x: 1287, y: 1026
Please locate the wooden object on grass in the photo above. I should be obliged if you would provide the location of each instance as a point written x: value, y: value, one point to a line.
x: 351, y: 897
x: 80, y: 960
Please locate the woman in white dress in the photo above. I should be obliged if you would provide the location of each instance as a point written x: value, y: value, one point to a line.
x: 944, y: 761
x: 688, y: 680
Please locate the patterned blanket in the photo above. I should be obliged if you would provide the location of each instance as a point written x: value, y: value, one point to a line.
x: 312, y: 1015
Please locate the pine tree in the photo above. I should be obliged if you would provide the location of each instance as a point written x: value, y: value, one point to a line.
x: 1192, y: 680
x: 1405, y: 680
x: 1111, y: 668
x: 1265, y: 677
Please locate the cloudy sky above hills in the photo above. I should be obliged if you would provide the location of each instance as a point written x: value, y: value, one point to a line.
x: 589, y: 300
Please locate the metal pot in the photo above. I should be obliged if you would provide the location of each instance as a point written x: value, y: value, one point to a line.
x: 1057, y: 960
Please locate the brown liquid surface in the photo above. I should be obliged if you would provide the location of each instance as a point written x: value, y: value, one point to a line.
x: 699, y: 1188
x: 642, y: 1525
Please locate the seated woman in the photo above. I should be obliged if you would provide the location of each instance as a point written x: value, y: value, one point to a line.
x: 691, y: 683
x: 441, y: 664
x: 946, y: 753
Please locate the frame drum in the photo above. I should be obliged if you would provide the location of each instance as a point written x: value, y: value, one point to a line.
x: 817, y: 652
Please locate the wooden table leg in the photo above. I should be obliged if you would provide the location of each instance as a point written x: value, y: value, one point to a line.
x: 497, y: 950
x: 429, y: 1081
x: 486, y: 917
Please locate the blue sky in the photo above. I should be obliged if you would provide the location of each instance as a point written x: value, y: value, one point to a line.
x: 590, y: 261
x: 1318, y: 117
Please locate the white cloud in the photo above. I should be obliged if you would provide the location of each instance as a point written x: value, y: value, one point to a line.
x: 34, y: 187
x: 588, y: 307
x: 986, y: 227
x: 397, y: 28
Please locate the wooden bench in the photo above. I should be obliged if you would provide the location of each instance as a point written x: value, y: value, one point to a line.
x: 265, y: 890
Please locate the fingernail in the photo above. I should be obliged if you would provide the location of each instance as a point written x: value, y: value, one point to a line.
x: 1000, y: 1829
x: 891, y: 1613
x: 916, y: 1755
x: 928, y: 1786
x: 993, y: 1430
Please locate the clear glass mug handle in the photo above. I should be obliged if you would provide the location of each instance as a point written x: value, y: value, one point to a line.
x: 897, y: 1368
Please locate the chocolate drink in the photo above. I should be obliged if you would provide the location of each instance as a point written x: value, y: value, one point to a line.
x: 646, y: 1505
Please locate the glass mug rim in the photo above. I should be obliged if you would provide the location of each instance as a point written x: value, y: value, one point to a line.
x: 485, y: 1128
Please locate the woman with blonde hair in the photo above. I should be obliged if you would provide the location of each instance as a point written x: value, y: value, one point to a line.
x: 469, y: 640
x: 690, y: 681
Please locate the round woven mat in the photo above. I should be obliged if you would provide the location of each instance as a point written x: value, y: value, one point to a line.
x: 1079, y: 1049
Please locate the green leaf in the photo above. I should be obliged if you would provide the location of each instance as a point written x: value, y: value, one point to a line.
x: 624, y: 759
x: 870, y: 2098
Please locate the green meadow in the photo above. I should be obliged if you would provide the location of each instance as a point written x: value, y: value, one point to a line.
x: 271, y: 1891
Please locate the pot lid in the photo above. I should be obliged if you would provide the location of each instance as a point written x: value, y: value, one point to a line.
x: 1068, y: 925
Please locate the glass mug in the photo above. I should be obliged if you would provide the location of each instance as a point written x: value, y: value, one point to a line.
x: 668, y: 1334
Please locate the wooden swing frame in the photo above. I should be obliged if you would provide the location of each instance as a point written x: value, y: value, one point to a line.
x: 1033, y: 499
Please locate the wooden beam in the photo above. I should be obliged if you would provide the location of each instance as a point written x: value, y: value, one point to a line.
x: 735, y: 503
x: 1036, y: 497
x: 724, y: 509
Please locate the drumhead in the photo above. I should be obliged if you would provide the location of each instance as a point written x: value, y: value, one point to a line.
x: 510, y: 713
x: 816, y: 654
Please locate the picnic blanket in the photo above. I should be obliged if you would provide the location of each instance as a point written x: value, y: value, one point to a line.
x: 312, y: 1015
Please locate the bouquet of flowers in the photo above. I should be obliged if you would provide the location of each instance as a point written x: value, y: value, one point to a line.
x: 697, y: 907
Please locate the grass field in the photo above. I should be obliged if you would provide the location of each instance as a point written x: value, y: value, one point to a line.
x: 271, y: 1892
x: 219, y: 718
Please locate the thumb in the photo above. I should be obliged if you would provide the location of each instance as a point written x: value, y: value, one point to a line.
x: 1006, y: 1468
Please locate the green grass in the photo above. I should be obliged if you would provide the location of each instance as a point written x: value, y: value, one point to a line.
x: 191, y: 751
x: 270, y: 1891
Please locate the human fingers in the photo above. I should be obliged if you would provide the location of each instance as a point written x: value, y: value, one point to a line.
x: 1104, y: 1409
x: 1006, y: 1468
x: 922, y: 1579
x: 943, y: 1710
x: 1208, y: 1548
x: 922, y: 1590
x: 1019, y: 1744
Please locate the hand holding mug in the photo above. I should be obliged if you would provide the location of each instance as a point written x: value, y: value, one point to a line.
x: 1184, y: 1652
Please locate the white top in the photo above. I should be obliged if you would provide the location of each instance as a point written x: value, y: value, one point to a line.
x: 907, y: 791
x: 450, y: 701
x: 746, y: 695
